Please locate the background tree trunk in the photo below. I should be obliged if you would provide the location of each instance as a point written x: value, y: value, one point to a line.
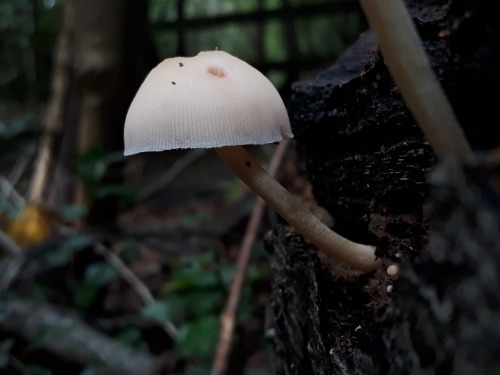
x: 369, y: 166
x: 107, y: 51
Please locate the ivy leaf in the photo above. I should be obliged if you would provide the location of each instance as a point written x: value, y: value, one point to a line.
x: 196, y: 338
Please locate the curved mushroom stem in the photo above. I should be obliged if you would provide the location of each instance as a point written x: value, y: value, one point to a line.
x: 408, y: 64
x: 248, y: 169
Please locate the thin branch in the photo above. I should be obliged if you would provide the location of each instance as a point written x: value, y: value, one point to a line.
x: 409, y: 66
x: 10, y: 246
x: 228, y: 316
x: 7, y: 184
x: 13, y: 265
x: 137, y: 285
x: 10, y: 272
x: 54, y: 116
x: 10, y: 193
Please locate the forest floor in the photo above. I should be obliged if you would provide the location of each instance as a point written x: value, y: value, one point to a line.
x: 180, y: 242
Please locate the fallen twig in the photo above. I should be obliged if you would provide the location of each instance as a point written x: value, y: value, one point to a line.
x: 7, y: 184
x: 137, y: 285
x: 13, y: 265
x: 70, y: 338
x: 228, y: 316
x: 10, y: 193
x: 10, y: 246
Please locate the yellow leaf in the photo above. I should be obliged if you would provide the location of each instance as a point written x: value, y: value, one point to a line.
x: 30, y: 227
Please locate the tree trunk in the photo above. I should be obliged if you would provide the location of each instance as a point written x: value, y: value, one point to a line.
x: 372, y: 169
x: 103, y: 54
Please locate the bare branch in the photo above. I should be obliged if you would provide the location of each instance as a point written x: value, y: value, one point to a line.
x: 136, y: 283
x: 13, y: 265
x: 228, y: 316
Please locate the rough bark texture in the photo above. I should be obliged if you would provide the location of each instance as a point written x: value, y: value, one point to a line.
x: 317, y: 326
x: 369, y: 165
x: 446, y: 311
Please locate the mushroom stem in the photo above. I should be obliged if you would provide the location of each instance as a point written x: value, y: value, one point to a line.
x: 361, y: 257
x: 408, y: 64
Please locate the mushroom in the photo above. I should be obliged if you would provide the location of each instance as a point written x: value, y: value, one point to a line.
x: 215, y: 100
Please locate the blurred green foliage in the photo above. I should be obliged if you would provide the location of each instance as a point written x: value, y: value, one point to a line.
x: 19, y: 128
x: 279, y: 39
x: 92, y: 166
x: 18, y: 124
x: 195, y: 297
x: 192, y: 299
x: 286, y: 44
x: 27, y: 32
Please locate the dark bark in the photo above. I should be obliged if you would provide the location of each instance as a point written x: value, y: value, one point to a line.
x: 445, y: 317
x: 369, y: 165
x: 319, y: 326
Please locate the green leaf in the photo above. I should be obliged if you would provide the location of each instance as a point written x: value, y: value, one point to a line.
x: 96, y: 276
x: 233, y: 189
x: 130, y: 336
x: 15, y: 127
x: 100, y: 273
x: 93, y: 164
x: 199, y: 272
x: 72, y: 212
x: 57, y: 257
x: 78, y: 242
x: 130, y: 252
x: 38, y: 293
x: 195, y: 219
x: 199, y: 303
x: 158, y: 311
x: 43, y: 335
x: 183, y: 279
x: 202, y: 368
x: 85, y: 294
x: 64, y: 252
x: 198, y: 261
x: 171, y: 309
x: 196, y: 339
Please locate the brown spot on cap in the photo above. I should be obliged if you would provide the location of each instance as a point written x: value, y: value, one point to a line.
x: 216, y: 71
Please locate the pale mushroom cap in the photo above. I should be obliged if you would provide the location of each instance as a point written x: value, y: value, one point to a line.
x: 211, y: 100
